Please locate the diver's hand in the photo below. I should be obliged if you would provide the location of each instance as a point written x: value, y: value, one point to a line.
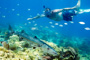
x: 29, y: 18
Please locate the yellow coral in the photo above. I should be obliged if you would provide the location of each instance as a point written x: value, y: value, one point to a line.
x: 13, y: 38
x: 1, y: 53
x: 33, y: 52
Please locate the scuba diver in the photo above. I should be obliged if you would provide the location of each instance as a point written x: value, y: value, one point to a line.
x: 59, y: 14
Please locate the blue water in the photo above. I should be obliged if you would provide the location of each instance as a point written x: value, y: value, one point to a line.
x: 16, y: 12
x: 36, y: 6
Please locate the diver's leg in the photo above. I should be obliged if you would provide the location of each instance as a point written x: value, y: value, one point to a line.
x: 77, y: 6
x: 84, y: 11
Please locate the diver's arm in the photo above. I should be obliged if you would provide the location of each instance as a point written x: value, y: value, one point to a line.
x: 36, y: 17
x: 84, y: 11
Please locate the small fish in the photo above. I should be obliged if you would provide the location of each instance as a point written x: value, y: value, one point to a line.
x: 61, y: 25
x: 56, y: 23
x: 45, y: 47
x: 82, y: 23
x: 65, y: 23
x: 87, y: 28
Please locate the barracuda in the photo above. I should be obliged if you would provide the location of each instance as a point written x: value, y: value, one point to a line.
x: 45, y: 47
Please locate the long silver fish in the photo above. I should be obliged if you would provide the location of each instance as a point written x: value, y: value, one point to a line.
x: 45, y: 47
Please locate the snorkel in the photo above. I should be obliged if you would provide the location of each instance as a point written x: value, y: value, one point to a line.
x: 47, y: 11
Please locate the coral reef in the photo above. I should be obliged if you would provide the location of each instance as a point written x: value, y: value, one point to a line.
x: 16, y: 49
x: 24, y: 50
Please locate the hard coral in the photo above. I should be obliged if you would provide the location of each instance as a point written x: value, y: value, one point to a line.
x: 21, y: 51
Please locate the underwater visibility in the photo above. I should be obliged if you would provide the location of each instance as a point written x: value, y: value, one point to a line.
x: 44, y: 30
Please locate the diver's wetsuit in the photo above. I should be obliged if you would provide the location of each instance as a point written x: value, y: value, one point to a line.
x: 67, y: 14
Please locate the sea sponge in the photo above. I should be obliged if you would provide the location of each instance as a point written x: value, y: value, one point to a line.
x: 14, y: 42
x: 13, y: 38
